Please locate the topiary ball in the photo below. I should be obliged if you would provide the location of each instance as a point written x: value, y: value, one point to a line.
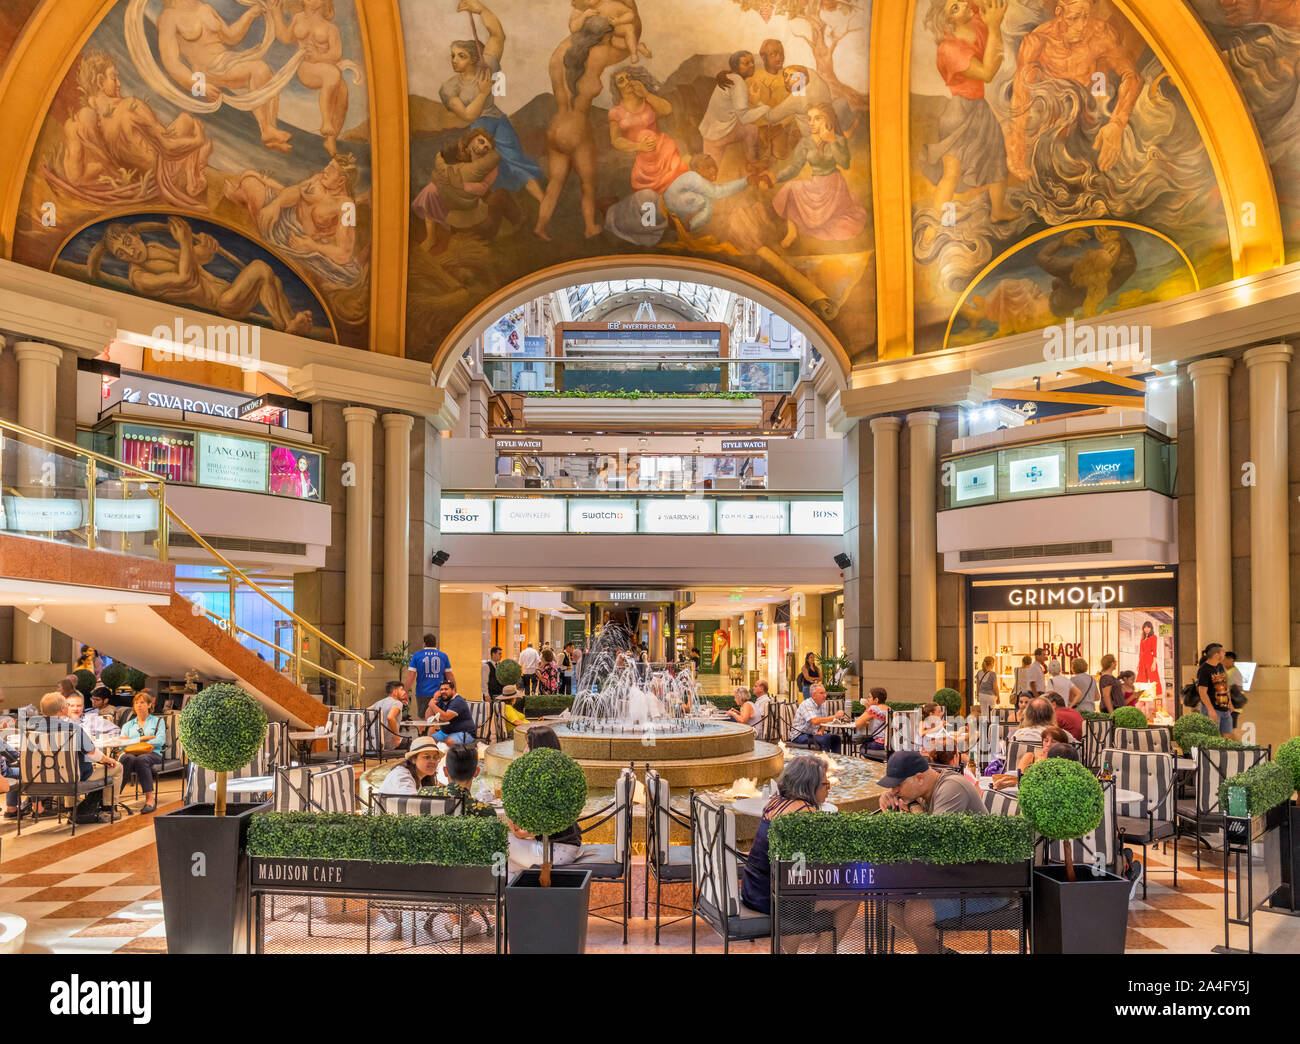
x: 509, y: 672
x: 1129, y: 718
x: 543, y: 792
x: 1190, y: 729
x: 85, y: 681
x: 1289, y: 755
x: 114, y: 675
x: 136, y: 679
x: 949, y: 700
x: 222, y: 728
x: 1061, y: 799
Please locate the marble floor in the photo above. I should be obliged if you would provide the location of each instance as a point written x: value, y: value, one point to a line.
x: 98, y: 893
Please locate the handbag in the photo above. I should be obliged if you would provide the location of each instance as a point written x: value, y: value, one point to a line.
x: 138, y: 748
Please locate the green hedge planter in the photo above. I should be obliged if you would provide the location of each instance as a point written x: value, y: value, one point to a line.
x: 541, y: 706
x: 1129, y: 718
x: 900, y: 706
x: 890, y: 837
x: 1289, y: 755
x: 1267, y: 785
x: 1190, y: 730
x: 1217, y: 742
x: 436, y: 840
x: 1094, y: 716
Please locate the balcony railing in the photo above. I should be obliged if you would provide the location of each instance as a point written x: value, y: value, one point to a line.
x: 688, y: 375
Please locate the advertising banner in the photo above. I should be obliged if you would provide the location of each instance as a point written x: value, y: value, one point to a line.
x: 232, y: 463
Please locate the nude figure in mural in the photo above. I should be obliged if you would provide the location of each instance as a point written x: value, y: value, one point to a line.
x: 313, y: 31
x: 179, y: 275
x: 193, y: 38
x: 624, y: 17
x: 1075, y: 45
x: 116, y: 150
x: 576, y: 79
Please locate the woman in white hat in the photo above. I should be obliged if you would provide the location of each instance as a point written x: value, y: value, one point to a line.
x: 418, y: 770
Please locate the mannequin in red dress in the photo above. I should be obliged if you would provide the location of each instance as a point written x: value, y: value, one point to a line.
x: 1148, y: 666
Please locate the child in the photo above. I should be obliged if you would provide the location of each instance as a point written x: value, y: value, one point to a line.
x: 621, y: 14
x: 875, y: 719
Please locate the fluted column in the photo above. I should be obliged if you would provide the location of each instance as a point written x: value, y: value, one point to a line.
x: 359, y: 530
x: 1213, y: 533
x: 38, y: 385
x: 397, y: 527
x: 1270, y: 545
x: 884, y: 438
x: 921, y: 430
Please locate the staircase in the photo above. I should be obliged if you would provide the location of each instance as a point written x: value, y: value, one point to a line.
x: 95, y: 566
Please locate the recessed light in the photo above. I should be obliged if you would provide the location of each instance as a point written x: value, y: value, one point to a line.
x: 37, y: 614
x: 110, y: 617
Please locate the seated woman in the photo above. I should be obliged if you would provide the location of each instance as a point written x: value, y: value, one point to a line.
x: 418, y: 770
x: 526, y: 848
x: 746, y: 711
x: 874, y: 719
x: 144, y: 727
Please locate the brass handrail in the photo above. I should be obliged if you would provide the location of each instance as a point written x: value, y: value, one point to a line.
x: 79, y: 451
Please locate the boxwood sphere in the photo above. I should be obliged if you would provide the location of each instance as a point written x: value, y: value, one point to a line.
x: 1289, y: 755
x: 543, y: 792
x: 222, y: 728
x: 949, y: 700
x: 509, y: 672
x: 1189, y: 729
x: 1129, y: 718
x: 1060, y: 798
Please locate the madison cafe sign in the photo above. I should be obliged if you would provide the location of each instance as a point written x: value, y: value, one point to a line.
x: 1093, y: 593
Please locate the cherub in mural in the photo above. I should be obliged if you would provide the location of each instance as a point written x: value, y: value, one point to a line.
x: 180, y: 275
x: 624, y: 17
x: 820, y: 206
x: 461, y: 197
x: 307, y: 221
x: 732, y: 116
x: 116, y: 150
x: 193, y: 38
x: 577, y: 68
x: 469, y: 95
x: 1074, y: 46
x: 970, y: 152
x: 313, y: 32
x: 634, y: 127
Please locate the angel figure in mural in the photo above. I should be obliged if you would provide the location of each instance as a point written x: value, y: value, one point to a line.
x: 116, y: 150
x: 1073, y: 47
x: 179, y: 275
x: 313, y: 32
x: 970, y: 152
x: 577, y: 68
x: 820, y: 206
x: 308, y: 221
x: 623, y: 16
x: 468, y: 93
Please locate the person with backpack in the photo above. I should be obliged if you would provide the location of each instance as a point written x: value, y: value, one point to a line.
x: 1212, y: 688
x: 429, y: 668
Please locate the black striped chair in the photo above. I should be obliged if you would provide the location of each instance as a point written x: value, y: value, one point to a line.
x: 1096, y: 738
x: 1017, y: 749
x: 715, y: 876
x: 413, y: 805
x: 481, y: 712
x: 904, y: 730
x: 346, y: 730
x: 275, y: 748
x: 375, y: 738
x: 663, y: 860
x: 1150, y: 774
x: 1000, y: 803
x: 198, y: 786
x: 780, y: 721
x: 1099, y: 848
x: 1158, y: 739
x: 49, y: 767
x: 1212, y: 768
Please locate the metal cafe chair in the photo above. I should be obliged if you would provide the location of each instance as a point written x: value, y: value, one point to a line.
x: 1212, y: 768
x: 1151, y: 774
x: 663, y: 860
x: 612, y: 863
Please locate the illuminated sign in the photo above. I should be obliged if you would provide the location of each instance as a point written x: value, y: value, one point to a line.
x: 531, y: 516
x: 232, y: 463
x: 976, y: 483
x: 752, y: 516
x: 166, y: 395
x: 744, y: 445
x: 1035, y: 474
x: 1107, y: 467
x: 677, y: 516
x: 508, y: 445
x: 602, y: 516
x: 1101, y: 595
x: 621, y: 325
x: 41, y: 515
x: 466, y: 516
x: 126, y: 516
x: 1129, y: 592
x: 817, y: 517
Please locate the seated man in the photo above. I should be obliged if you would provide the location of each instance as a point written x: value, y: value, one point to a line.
x: 63, y: 733
x: 396, y: 697
x: 452, y: 710
x: 916, y: 786
x: 809, y: 723
x: 1067, y: 718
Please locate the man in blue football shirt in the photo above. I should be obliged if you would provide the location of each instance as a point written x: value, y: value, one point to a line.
x: 428, y: 670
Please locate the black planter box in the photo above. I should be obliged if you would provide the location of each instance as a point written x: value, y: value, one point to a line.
x: 1088, y: 915
x: 821, y: 878
x: 548, y: 920
x: 202, y: 870
x: 1288, y: 896
x: 357, y: 876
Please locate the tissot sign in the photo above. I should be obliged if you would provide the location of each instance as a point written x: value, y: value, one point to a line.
x: 1095, y: 593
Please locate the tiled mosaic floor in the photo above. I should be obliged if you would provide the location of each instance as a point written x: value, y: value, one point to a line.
x: 98, y: 893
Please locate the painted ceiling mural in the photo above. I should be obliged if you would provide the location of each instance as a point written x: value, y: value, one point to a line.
x: 1030, y: 116
x: 213, y: 155
x: 732, y: 130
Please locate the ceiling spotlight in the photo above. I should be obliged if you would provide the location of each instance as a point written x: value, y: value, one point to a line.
x: 110, y: 616
x: 37, y: 614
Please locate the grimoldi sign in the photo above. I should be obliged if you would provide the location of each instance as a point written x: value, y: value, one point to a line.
x: 298, y: 872
x: 518, y: 444
x: 1091, y: 593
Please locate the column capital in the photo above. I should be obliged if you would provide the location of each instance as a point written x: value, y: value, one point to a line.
x: 1216, y: 367
x: 1268, y: 353
x: 38, y: 351
x: 359, y: 415
x: 923, y: 418
x: 885, y: 424
x: 396, y: 421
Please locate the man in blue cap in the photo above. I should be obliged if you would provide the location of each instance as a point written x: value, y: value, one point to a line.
x: 915, y: 785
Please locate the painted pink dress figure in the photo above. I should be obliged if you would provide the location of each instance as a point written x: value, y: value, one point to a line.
x: 634, y: 127
x: 1148, y: 669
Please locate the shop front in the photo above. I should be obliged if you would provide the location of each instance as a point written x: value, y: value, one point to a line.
x: 1129, y: 613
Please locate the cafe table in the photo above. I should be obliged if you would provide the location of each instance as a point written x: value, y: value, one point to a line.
x: 1122, y: 797
x: 754, y: 806
x: 304, y: 739
x: 247, y: 785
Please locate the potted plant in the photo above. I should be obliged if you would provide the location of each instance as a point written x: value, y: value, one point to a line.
x: 949, y: 700
x: 1129, y: 718
x: 85, y: 681
x: 509, y: 672
x: 201, y: 860
x: 543, y: 793
x: 1288, y: 756
x: 399, y: 657
x: 1073, y: 913
x: 1191, y: 729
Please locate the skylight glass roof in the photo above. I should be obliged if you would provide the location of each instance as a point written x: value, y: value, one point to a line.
x: 709, y: 303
